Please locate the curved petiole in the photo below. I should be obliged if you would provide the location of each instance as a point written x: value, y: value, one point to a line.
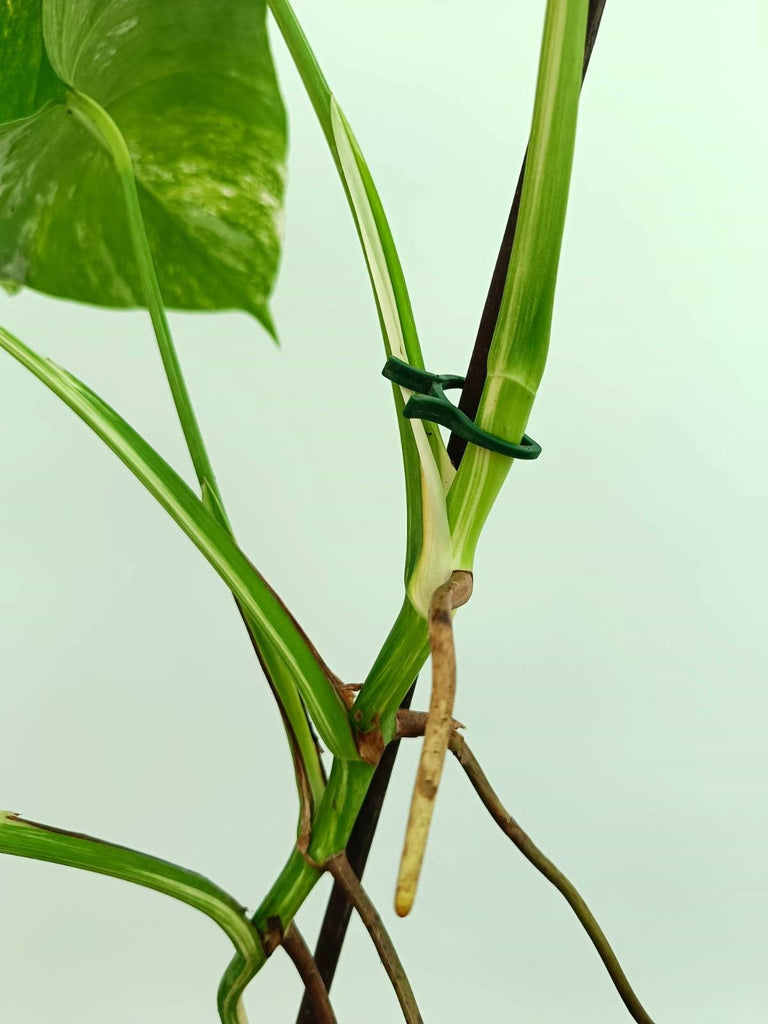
x: 22, y: 838
x: 100, y: 125
x: 257, y: 598
x: 428, y: 470
x: 310, y: 779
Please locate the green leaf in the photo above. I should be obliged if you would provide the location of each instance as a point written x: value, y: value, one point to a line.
x: 22, y: 838
x: 191, y: 86
x: 259, y: 602
x: 21, y: 46
x: 26, y: 77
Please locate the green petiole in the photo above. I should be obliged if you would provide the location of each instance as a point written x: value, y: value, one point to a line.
x: 97, y: 121
x: 22, y: 838
x: 521, y: 338
x: 254, y: 594
x: 428, y: 471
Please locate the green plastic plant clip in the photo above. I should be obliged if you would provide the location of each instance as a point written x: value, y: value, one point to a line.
x: 429, y: 402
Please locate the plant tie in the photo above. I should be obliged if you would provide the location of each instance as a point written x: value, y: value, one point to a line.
x: 429, y: 402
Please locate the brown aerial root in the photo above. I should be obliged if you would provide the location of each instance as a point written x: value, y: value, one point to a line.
x: 413, y: 724
x: 346, y: 879
x: 339, y: 910
x: 543, y: 864
x: 453, y: 594
x: 317, y: 994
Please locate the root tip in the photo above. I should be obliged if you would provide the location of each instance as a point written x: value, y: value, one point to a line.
x: 403, y: 901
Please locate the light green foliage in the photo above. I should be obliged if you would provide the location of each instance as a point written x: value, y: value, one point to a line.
x: 192, y: 88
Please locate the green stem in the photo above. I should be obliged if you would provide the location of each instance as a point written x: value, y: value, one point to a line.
x: 398, y: 663
x: 292, y: 886
x: 402, y: 655
x: 401, y: 658
x: 100, y: 124
x: 302, y: 664
x: 315, y: 82
x: 322, y: 100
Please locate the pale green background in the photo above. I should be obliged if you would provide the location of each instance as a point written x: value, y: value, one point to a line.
x: 612, y: 662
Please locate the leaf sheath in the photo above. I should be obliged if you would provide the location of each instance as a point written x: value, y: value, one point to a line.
x: 476, y: 371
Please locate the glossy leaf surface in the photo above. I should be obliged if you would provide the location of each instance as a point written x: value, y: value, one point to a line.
x: 191, y: 86
x: 25, y: 72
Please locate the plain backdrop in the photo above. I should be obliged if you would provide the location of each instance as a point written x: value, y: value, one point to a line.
x: 612, y: 660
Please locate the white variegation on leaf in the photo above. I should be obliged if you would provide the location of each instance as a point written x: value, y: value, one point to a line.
x: 433, y: 566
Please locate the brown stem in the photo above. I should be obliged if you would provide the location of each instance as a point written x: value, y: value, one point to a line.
x: 445, y: 599
x: 297, y: 949
x: 411, y: 724
x: 476, y: 373
x: 357, y: 896
x: 338, y: 911
x: 542, y: 863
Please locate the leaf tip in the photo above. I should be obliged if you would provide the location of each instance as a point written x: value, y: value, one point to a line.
x: 263, y: 314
